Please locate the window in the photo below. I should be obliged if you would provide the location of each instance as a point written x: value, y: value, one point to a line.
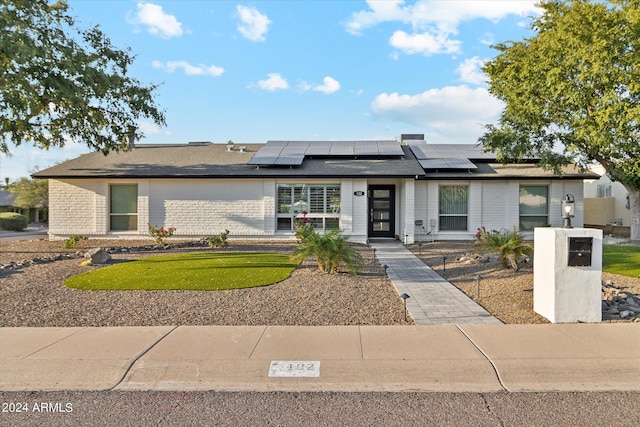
x: 534, y: 206
x: 123, y: 209
x: 453, y: 208
x: 604, y: 190
x: 321, y: 202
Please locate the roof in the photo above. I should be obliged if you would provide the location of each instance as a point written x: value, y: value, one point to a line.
x: 521, y: 171
x: 208, y: 160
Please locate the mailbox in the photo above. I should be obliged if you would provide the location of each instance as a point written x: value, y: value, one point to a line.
x: 580, y: 251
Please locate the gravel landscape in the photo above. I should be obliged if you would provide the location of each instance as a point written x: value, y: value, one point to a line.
x: 34, y: 294
x: 505, y: 293
x: 32, y: 291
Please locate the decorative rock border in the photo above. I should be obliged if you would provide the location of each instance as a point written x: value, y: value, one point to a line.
x: 12, y: 266
x: 618, y: 304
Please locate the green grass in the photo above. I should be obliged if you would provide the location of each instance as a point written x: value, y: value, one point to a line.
x: 621, y: 259
x: 207, y: 271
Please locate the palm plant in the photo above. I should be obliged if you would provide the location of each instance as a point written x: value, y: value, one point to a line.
x: 508, y: 244
x: 331, y: 251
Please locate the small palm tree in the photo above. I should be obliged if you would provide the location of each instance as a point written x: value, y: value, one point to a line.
x: 508, y: 244
x: 339, y: 253
x: 331, y: 250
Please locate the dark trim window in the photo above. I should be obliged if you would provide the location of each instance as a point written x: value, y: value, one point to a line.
x: 453, y: 207
x: 321, y: 203
x: 123, y: 207
x: 534, y: 206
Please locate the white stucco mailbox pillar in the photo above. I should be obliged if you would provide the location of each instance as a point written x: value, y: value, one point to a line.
x: 567, y: 274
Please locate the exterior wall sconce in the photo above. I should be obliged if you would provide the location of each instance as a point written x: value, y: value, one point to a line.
x: 568, y: 210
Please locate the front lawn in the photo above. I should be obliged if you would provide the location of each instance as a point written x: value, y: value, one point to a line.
x: 207, y: 271
x: 621, y: 259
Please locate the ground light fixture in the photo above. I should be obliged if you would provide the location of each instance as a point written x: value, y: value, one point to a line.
x: 478, y: 277
x: 385, y: 269
x: 404, y: 298
x: 444, y: 263
x: 568, y: 210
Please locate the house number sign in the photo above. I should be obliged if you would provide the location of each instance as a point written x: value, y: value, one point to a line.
x: 358, y: 193
x: 294, y: 368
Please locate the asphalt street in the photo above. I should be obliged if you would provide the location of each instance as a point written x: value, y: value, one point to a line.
x: 117, y: 408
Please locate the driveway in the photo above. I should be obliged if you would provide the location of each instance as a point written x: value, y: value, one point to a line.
x: 32, y: 232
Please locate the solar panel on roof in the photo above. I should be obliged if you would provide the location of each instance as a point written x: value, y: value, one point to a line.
x: 389, y: 148
x: 276, y: 144
x: 289, y: 160
x: 432, y: 163
x: 460, y: 164
x: 365, y: 148
x: 318, y: 148
x: 262, y: 160
x: 419, y: 151
x: 294, y: 149
x: 342, y: 148
x: 446, y: 164
x: 294, y: 152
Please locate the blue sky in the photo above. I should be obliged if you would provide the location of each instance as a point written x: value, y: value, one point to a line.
x: 252, y: 71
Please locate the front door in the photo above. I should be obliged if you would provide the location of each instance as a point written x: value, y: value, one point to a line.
x: 382, y: 210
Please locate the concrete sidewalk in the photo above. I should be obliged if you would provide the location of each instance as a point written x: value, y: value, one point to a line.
x: 470, y: 358
x: 433, y: 300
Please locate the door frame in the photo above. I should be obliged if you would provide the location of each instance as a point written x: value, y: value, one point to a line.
x: 392, y: 210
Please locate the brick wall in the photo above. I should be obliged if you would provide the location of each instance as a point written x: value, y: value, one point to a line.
x: 206, y: 207
x: 72, y: 207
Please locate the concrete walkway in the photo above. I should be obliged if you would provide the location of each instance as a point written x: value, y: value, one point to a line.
x: 433, y: 300
x: 463, y: 358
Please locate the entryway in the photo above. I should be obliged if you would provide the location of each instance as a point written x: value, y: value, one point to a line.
x: 382, y: 210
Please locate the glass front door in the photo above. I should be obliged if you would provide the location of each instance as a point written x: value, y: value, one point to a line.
x: 382, y: 211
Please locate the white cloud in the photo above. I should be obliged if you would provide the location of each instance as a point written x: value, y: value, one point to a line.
x: 253, y: 25
x: 433, y: 22
x: 428, y: 13
x: 274, y: 82
x: 304, y: 86
x: 149, y: 128
x: 329, y: 86
x: 470, y: 71
x: 27, y: 158
x: 450, y: 114
x: 189, y: 70
x: 424, y: 43
x: 379, y: 11
x: 157, y: 21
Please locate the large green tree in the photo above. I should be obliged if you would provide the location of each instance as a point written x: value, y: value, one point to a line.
x: 572, y: 92
x: 30, y: 193
x: 60, y: 83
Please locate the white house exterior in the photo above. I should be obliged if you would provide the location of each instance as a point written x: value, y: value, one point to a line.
x: 366, y: 189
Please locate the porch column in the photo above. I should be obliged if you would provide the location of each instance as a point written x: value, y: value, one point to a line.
x: 408, y: 226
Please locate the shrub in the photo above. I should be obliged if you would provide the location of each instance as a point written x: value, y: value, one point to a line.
x: 13, y: 221
x: 304, y: 228
x: 72, y: 241
x: 331, y: 250
x: 218, y: 241
x: 159, y: 234
x: 508, y: 244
